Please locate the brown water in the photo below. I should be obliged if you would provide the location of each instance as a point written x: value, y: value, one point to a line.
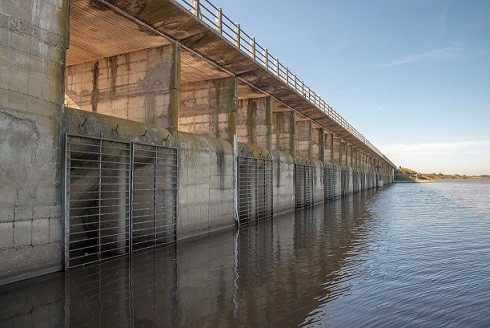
x: 409, y: 255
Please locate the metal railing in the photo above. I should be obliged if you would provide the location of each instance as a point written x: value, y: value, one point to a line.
x: 214, y: 18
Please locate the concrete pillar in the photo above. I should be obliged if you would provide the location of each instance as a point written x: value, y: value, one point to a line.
x: 173, y: 125
x: 32, y: 57
x: 209, y: 108
x: 342, y: 153
x: 268, y: 119
x: 321, y: 142
x: 254, y: 121
x: 337, y: 150
x: 284, y: 127
x: 303, y: 137
x: 327, y: 147
x: 316, y: 143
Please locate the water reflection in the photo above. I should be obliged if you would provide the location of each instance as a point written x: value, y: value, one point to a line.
x: 272, y: 273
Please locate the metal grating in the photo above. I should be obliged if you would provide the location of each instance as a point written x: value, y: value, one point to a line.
x: 255, y: 189
x: 154, y: 190
x: 335, y: 181
x: 97, y: 188
x: 363, y: 181
x: 355, y: 181
x: 345, y: 181
x: 329, y: 182
x: 303, y: 182
x: 119, y: 196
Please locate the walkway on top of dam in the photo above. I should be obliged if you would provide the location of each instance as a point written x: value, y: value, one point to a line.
x: 217, y: 46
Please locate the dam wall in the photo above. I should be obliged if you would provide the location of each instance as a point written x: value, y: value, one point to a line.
x: 120, y: 133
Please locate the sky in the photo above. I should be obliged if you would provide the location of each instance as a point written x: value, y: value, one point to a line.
x: 412, y: 76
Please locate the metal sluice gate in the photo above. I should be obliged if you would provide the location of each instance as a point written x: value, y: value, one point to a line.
x: 255, y: 189
x: 303, y: 184
x: 120, y: 197
x: 330, y: 181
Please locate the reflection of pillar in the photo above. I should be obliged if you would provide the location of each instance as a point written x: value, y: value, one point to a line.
x: 121, y: 205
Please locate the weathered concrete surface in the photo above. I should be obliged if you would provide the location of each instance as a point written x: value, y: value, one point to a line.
x: 205, y: 193
x: 283, y: 182
x: 253, y: 122
x: 206, y: 108
x: 95, y: 125
x: 32, y: 53
x: 283, y: 131
x: 303, y: 138
x: 318, y: 181
x: 135, y: 86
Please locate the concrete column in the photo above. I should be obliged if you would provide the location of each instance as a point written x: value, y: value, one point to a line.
x: 283, y: 128
x: 32, y: 57
x: 254, y: 121
x: 321, y: 143
x: 209, y: 108
x: 173, y: 125
x: 350, y: 155
x: 268, y: 119
x: 327, y: 146
x: 342, y: 153
x: 316, y: 142
x: 337, y: 153
x: 232, y: 109
x: 332, y: 148
x: 303, y: 137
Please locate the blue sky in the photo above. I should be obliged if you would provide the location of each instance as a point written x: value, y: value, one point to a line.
x: 412, y: 76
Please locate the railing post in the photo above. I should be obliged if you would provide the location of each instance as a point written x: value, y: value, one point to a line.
x: 196, y: 8
x: 294, y: 82
x: 287, y: 76
x: 237, y: 35
x: 276, y: 68
x: 252, y: 48
x: 266, y: 58
x: 219, y: 21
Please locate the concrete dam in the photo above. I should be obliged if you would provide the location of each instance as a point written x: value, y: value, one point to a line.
x: 129, y: 124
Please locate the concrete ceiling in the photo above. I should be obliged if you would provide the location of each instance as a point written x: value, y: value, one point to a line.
x: 98, y: 32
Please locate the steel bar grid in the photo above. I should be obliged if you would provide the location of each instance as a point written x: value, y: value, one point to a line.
x: 329, y: 181
x: 97, y: 207
x: 255, y: 195
x: 303, y: 185
x: 355, y: 181
x: 154, y: 192
x: 120, y: 196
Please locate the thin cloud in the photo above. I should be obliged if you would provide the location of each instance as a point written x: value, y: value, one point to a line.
x: 439, y: 148
x: 451, y: 51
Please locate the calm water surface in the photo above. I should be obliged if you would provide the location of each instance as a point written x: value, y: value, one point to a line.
x: 414, y: 255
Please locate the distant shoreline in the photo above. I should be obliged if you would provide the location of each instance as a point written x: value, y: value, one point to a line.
x: 444, y: 179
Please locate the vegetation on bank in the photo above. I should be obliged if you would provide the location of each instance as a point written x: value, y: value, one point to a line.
x: 406, y: 175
